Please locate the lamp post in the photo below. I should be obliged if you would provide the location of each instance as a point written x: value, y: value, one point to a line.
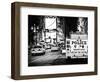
x: 32, y: 38
x: 33, y: 29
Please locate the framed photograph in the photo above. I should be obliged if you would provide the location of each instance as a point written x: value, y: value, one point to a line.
x: 51, y: 40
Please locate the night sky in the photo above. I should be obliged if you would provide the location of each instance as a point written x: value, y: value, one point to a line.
x: 33, y: 20
x: 70, y: 25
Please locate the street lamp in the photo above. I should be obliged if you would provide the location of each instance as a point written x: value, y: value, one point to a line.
x: 32, y: 28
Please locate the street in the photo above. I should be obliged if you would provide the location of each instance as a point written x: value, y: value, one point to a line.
x: 47, y: 59
x: 54, y: 58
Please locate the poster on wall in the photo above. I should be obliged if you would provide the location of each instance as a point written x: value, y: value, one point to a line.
x: 50, y: 40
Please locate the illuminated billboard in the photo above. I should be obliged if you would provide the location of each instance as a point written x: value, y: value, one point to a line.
x: 50, y: 23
